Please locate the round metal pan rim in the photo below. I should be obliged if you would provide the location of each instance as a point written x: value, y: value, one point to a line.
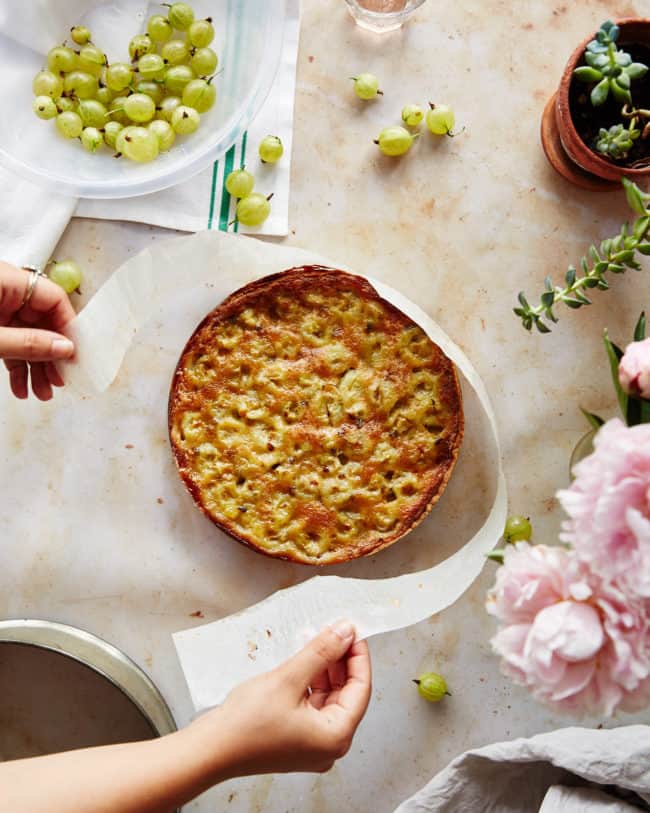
x: 97, y: 654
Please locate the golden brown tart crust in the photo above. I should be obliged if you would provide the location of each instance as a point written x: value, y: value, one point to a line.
x: 312, y: 420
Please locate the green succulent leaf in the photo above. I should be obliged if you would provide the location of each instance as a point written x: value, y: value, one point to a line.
x: 636, y: 70
x: 600, y: 93
x: 496, y: 555
x: 620, y: 93
x: 623, y: 79
x: 644, y: 248
x: 634, y: 196
x: 641, y: 227
x: 587, y: 74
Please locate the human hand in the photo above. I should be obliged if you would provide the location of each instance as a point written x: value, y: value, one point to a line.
x: 30, y: 335
x: 299, y: 717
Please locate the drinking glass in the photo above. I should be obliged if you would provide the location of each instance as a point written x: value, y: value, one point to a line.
x: 382, y: 15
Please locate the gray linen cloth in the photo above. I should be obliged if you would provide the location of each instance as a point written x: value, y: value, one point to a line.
x: 517, y: 776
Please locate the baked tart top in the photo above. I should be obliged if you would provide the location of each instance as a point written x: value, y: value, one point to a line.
x: 312, y: 420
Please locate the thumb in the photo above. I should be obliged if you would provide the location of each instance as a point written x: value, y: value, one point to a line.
x: 30, y: 344
x: 329, y: 646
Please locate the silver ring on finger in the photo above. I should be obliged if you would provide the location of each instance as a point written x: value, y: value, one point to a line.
x: 35, y: 275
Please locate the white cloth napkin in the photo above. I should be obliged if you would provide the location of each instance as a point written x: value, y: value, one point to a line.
x: 515, y: 777
x: 560, y: 799
x: 33, y: 219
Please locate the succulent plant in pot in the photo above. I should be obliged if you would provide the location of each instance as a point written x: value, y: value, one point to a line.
x: 596, y: 129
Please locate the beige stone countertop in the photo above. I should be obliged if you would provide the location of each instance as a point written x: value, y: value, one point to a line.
x: 460, y: 226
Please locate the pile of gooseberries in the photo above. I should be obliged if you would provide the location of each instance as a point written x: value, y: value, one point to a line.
x: 136, y: 109
x: 397, y: 140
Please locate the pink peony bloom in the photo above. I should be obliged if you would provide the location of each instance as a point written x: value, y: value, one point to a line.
x: 608, y: 505
x: 634, y: 369
x: 576, y: 642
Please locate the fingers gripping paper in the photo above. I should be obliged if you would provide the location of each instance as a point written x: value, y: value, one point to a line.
x: 217, y: 656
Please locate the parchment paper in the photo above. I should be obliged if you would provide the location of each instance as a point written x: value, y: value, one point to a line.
x: 217, y: 656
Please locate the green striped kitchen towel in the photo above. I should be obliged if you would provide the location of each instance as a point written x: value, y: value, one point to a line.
x: 202, y: 201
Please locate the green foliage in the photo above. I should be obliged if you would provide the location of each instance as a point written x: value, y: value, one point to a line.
x: 633, y: 409
x: 613, y: 256
x: 611, y: 71
x: 617, y: 141
x: 608, y: 69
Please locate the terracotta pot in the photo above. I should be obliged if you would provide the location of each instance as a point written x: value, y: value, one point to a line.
x: 580, y: 164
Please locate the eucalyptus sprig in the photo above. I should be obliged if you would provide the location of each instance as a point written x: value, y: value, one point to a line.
x: 614, y: 255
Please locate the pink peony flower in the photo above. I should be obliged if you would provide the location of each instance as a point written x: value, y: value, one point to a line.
x: 576, y: 642
x: 608, y: 505
x: 634, y: 369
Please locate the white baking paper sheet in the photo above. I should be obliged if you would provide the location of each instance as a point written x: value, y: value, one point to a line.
x: 170, y: 287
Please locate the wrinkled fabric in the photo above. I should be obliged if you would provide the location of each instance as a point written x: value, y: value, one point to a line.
x: 560, y: 799
x: 515, y: 776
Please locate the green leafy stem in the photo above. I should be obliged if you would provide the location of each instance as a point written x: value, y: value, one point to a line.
x: 633, y: 409
x: 614, y: 255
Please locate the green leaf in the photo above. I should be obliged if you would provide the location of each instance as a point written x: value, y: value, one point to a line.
x: 592, y: 58
x: 636, y: 70
x: 639, y: 330
x: 570, y: 276
x: 645, y: 411
x: 634, y: 196
x: 585, y: 301
x: 614, y: 355
x: 542, y: 327
x: 600, y: 93
x: 644, y: 248
x: 574, y: 304
x: 624, y: 80
x: 587, y: 74
x: 633, y: 412
x: 548, y: 284
x: 641, y: 226
x: 620, y: 93
x: 547, y: 299
x: 595, y: 421
x: 523, y: 301
x: 625, y: 256
x: 616, y: 268
x: 601, y: 267
x: 591, y: 282
x: 495, y: 556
